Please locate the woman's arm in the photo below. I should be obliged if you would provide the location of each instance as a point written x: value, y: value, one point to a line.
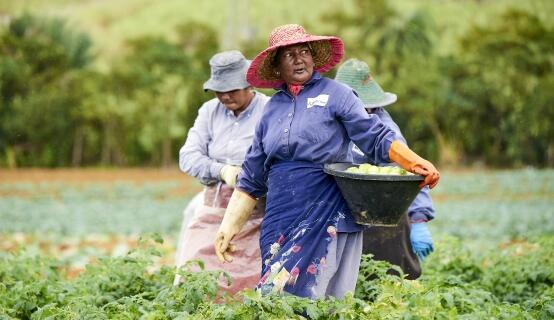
x: 378, y: 141
x: 368, y: 132
x: 253, y: 176
x: 193, y: 156
x: 251, y: 185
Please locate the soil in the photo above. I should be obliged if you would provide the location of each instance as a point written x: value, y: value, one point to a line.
x: 185, y: 183
x: 92, y: 175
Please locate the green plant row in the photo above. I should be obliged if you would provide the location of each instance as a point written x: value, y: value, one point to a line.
x: 515, y: 282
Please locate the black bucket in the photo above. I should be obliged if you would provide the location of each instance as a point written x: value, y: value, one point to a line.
x: 375, y: 200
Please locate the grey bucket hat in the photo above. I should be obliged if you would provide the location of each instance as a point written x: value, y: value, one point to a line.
x: 355, y: 74
x: 228, y: 72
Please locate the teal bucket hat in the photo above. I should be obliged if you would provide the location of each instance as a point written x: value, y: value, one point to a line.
x: 355, y: 74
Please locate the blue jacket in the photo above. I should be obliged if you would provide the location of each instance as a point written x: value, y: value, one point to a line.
x: 316, y: 126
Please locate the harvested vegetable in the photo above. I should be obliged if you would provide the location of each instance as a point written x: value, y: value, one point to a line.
x: 366, y: 168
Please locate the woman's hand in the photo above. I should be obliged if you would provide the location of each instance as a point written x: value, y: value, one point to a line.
x: 421, y: 240
x: 428, y: 170
x: 409, y: 160
x: 229, y: 174
x: 223, y: 246
x: 238, y: 210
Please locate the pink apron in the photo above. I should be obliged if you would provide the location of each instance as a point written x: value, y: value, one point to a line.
x: 198, y: 240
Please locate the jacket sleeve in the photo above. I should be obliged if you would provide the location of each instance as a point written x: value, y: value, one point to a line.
x: 422, y: 208
x: 371, y: 135
x: 253, y: 176
x: 193, y: 156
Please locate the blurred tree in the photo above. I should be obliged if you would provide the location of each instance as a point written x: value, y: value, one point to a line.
x: 401, y: 53
x: 200, y: 42
x: 55, y: 112
x: 486, y: 102
x: 503, y: 75
x: 138, y: 101
x: 490, y: 100
x: 39, y: 61
x: 364, y: 26
x: 160, y: 84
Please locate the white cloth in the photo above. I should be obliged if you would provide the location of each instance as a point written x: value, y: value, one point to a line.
x: 188, y: 215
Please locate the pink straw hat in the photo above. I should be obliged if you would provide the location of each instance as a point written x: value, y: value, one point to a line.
x: 327, y: 52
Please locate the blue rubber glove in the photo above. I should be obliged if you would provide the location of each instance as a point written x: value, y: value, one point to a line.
x: 422, y: 243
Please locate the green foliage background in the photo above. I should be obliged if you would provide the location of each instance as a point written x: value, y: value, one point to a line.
x: 118, y: 83
x: 493, y: 238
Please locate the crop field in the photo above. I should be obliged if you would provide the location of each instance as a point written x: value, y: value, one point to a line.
x: 99, y: 244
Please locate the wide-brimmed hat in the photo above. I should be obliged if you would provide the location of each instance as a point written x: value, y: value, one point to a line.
x: 228, y: 72
x: 327, y: 52
x: 355, y: 74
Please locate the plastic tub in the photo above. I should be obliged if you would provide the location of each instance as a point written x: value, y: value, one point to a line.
x: 376, y: 200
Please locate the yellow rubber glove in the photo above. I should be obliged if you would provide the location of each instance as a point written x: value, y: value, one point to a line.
x: 229, y: 174
x: 409, y: 160
x: 238, y: 210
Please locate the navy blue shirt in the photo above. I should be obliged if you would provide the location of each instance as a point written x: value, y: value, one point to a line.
x: 315, y: 126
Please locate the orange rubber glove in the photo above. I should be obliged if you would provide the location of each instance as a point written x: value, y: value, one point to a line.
x: 409, y: 160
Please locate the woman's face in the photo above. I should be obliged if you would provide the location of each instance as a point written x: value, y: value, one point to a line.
x: 236, y: 100
x: 295, y: 63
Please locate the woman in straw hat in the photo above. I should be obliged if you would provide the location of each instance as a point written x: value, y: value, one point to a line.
x: 402, y: 245
x: 213, y: 152
x: 310, y: 244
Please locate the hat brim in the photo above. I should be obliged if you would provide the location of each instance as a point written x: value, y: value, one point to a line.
x: 388, y: 99
x: 234, y: 80
x: 328, y: 53
x: 218, y: 86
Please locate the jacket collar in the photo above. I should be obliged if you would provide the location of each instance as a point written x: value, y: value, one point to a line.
x: 316, y: 76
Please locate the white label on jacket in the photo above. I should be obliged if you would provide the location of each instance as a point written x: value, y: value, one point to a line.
x: 320, y: 100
